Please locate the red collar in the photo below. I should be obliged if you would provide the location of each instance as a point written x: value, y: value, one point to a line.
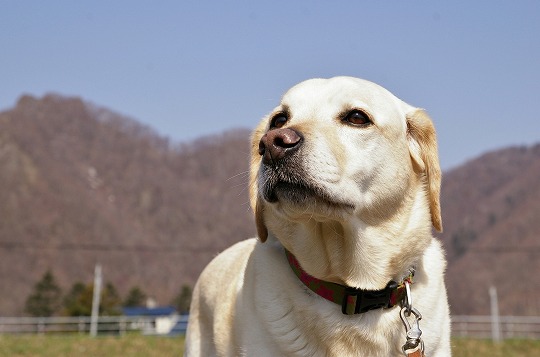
x: 352, y: 300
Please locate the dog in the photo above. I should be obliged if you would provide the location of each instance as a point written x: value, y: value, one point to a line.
x: 345, y: 185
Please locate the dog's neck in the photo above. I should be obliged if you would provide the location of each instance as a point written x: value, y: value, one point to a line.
x: 355, y: 253
x: 353, y: 301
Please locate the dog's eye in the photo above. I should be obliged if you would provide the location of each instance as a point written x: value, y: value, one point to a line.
x: 278, y: 121
x: 358, y: 118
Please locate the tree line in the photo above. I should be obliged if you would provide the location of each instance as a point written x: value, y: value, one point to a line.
x: 47, y: 299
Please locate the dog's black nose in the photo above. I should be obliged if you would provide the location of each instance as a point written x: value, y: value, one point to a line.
x: 278, y: 143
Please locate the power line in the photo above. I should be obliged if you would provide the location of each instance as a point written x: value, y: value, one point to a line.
x: 207, y: 249
x: 504, y: 250
x: 111, y: 247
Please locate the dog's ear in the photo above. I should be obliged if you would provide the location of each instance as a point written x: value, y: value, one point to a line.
x: 255, y: 199
x: 423, y: 150
x: 262, y: 231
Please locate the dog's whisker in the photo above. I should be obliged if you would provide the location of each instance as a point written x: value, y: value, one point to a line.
x: 243, y: 173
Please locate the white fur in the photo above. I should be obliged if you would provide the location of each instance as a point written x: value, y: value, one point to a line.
x: 380, y: 185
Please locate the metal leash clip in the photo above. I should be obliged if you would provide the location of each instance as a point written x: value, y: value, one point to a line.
x: 414, y: 341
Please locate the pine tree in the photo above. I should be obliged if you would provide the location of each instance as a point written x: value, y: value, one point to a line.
x: 183, y: 299
x: 79, y: 300
x: 45, y: 299
x: 136, y: 297
x: 110, y: 301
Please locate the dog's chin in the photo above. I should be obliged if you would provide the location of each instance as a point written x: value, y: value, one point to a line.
x: 304, y: 197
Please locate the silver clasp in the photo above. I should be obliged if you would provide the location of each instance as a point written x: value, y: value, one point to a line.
x: 414, y: 340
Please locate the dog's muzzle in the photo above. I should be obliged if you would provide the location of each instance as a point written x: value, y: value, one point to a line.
x: 281, y: 169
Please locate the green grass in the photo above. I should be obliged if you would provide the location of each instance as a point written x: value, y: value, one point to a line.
x: 137, y: 345
x: 483, y: 348
x: 82, y: 345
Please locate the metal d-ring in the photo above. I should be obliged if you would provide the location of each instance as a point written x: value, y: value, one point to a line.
x: 408, y: 298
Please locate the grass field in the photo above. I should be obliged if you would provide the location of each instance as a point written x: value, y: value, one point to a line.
x: 81, y: 345
x: 137, y: 345
x: 486, y: 348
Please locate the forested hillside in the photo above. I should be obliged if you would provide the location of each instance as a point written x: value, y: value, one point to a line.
x: 81, y: 185
x: 491, y: 214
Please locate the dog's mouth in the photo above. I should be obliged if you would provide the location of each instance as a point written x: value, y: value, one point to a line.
x: 294, y: 192
x: 293, y: 186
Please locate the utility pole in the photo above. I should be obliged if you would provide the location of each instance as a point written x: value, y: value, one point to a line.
x: 495, y: 320
x: 95, y: 301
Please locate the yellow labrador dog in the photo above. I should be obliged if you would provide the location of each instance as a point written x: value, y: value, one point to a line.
x: 345, y: 183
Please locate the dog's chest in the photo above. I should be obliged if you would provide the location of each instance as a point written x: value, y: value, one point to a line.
x: 305, y: 337
x: 296, y: 322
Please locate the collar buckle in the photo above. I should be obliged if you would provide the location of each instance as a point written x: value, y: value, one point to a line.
x: 357, y: 301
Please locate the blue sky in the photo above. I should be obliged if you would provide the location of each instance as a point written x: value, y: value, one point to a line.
x: 193, y: 68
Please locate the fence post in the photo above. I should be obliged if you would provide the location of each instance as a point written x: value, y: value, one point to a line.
x: 41, y: 326
x: 122, y: 327
x: 81, y: 325
x: 495, y: 320
x: 95, y: 301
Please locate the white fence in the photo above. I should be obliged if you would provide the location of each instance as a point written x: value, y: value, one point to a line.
x: 508, y: 327
x: 177, y: 324
x: 462, y: 326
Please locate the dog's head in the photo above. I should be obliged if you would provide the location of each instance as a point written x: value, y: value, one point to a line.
x: 341, y: 147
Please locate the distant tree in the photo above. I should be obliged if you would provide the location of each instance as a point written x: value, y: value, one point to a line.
x: 110, y: 301
x: 78, y: 302
x: 135, y: 297
x: 45, y: 299
x: 461, y: 240
x: 182, y: 301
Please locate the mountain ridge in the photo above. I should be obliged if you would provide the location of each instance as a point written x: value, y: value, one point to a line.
x: 79, y: 191
x: 82, y: 185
